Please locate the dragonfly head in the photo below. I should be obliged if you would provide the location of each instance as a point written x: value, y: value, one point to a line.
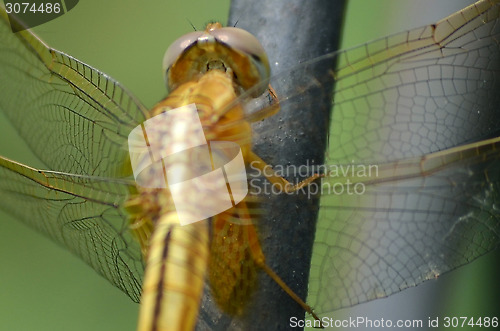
x: 229, y: 49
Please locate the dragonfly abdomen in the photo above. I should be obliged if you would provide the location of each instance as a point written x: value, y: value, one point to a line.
x: 177, y: 256
x: 173, y: 282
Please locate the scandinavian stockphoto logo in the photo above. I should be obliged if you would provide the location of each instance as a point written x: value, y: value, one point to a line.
x: 170, y: 151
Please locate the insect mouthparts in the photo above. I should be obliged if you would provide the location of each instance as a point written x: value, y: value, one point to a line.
x: 216, y: 65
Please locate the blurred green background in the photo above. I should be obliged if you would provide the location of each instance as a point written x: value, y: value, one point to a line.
x: 43, y: 287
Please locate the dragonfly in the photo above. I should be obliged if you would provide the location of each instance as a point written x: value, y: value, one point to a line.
x: 388, y: 176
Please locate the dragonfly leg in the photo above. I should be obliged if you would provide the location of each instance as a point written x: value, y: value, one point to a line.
x: 257, y: 163
x: 259, y: 259
x: 272, y: 109
x: 289, y: 291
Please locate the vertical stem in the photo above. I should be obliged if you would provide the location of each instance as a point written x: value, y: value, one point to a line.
x: 291, y: 32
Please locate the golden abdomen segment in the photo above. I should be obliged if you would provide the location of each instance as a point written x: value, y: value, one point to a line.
x: 177, y: 256
x: 173, y: 281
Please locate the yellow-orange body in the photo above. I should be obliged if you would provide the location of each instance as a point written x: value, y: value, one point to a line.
x: 178, y: 256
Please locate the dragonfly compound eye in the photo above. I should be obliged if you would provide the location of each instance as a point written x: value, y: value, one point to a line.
x: 190, y: 56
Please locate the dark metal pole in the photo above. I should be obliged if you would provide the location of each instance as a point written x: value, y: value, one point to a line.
x: 291, y: 32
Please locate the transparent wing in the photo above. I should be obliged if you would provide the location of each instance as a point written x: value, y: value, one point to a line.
x: 74, y: 118
x: 419, y: 91
x: 403, y: 104
x: 403, y: 223
x: 82, y: 213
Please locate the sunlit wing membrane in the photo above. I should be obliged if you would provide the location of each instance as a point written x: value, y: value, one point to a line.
x: 404, y: 96
x: 82, y: 213
x: 414, y: 221
x: 74, y: 118
x: 419, y: 91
